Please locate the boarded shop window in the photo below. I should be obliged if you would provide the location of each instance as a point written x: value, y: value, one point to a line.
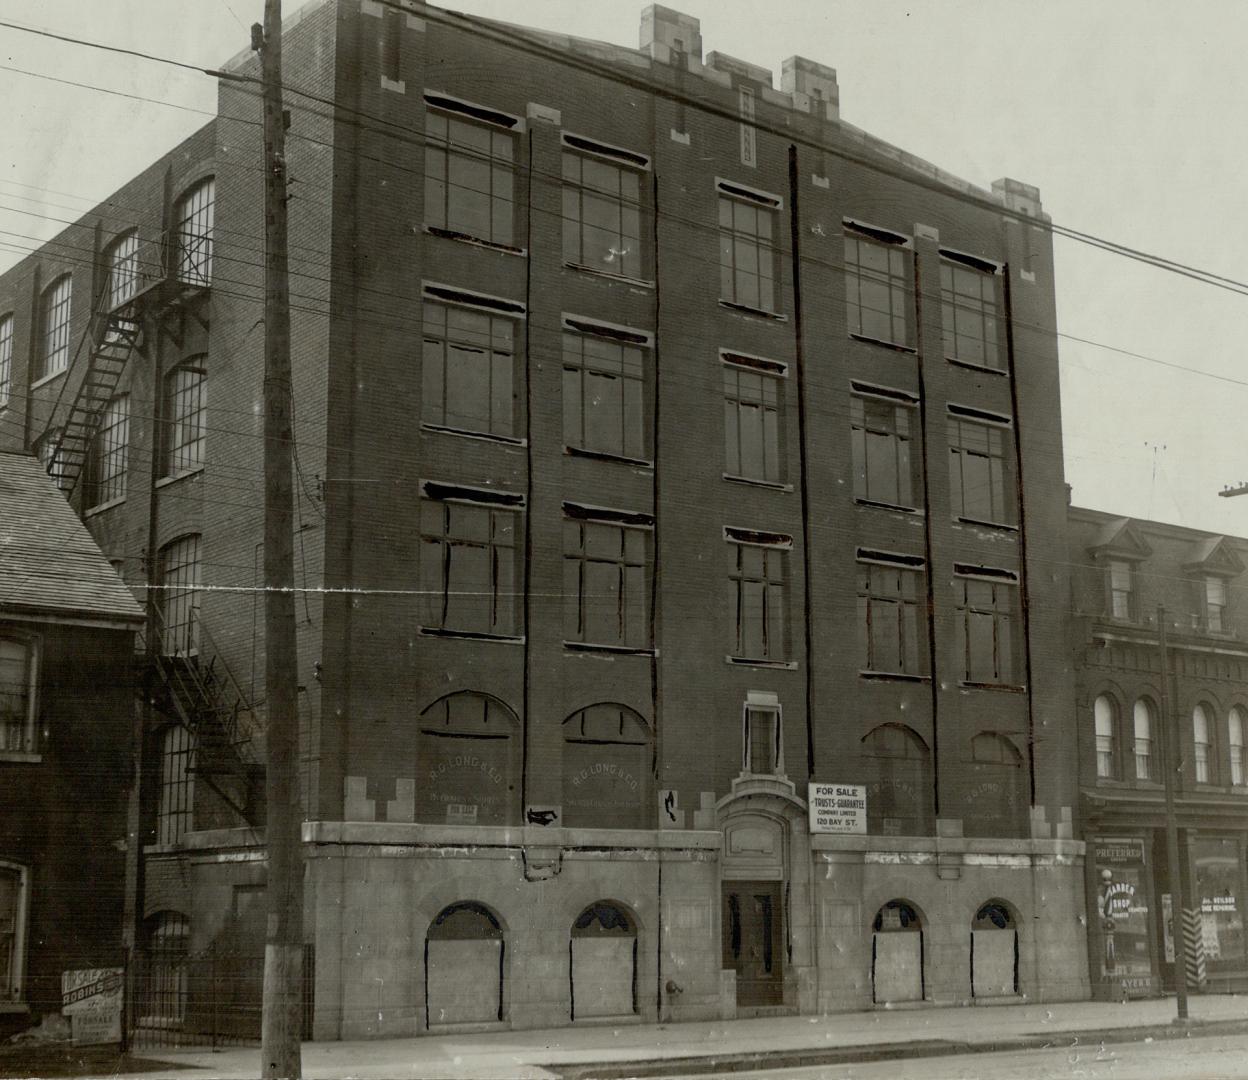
x: 467, y: 762
x: 470, y: 173
x: 757, y: 587
x: 179, y: 574
x: 106, y: 466
x: 1124, y: 923
x: 54, y: 309
x: 184, y: 410
x: 604, y: 394
x: 606, y: 583
x: 175, y: 815
x: 886, y: 468
x: 603, y: 208
x: 607, y: 768
x: 981, y: 470
x: 465, y: 966
x: 970, y: 302
x: 469, y: 371
x: 997, y: 796
x: 994, y: 951
x: 18, y: 706
x: 1142, y: 716
x: 892, y: 614
x: 897, y: 954
x: 987, y: 628
x: 1219, y: 888
x: 6, y: 358
x: 602, y: 956
x: 879, y: 289
x: 899, y: 799
x: 1202, y: 739
x: 749, y: 258
x: 753, y: 401
x: 193, y: 234
x: 1105, y: 718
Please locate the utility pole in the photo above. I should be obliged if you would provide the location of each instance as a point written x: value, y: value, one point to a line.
x: 1169, y: 765
x: 281, y: 1029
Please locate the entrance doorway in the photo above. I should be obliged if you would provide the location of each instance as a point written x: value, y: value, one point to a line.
x: 754, y: 940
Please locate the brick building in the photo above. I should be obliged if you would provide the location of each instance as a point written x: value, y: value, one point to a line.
x: 67, y: 748
x: 1124, y: 569
x: 661, y: 450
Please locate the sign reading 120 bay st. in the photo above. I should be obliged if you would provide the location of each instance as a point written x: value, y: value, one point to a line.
x: 838, y: 808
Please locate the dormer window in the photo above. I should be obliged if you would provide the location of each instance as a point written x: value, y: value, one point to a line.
x: 1214, y: 595
x: 1121, y: 575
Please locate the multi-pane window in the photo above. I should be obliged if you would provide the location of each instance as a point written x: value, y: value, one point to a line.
x: 602, y: 209
x: 753, y: 400
x: 106, y: 470
x: 606, y: 583
x: 878, y: 285
x: 757, y: 601
x: 748, y: 253
x: 980, y: 464
x: 17, y: 695
x: 177, y: 784
x: 54, y: 309
x: 123, y: 269
x: 892, y: 614
x: 882, y: 435
x: 6, y: 358
x: 184, y: 410
x: 193, y: 234
x: 763, y: 748
x: 468, y: 371
x: 14, y: 884
x: 1214, y: 593
x: 1202, y: 739
x: 470, y: 175
x: 469, y: 567
x: 987, y: 626
x: 1121, y: 589
x: 179, y: 576
x: 604, y: 393
x: 1235, y: 744
x: 51, y: 454
x: 607, y: 753
x: 1143, y: 719
x: 970, y: 300
x: 1104, y: 718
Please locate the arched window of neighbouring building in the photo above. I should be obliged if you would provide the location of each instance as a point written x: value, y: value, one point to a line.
x: 994, y: 951
x: 193, y: 234
x: 184, y: 409
x: 465, y: 966
x: 897, y: 954
x: 1235, y: 729
x: 602, y: 955
x: 1202, y: 739
x: 1105, y: 718
x: 1143, y: 715
x: 467, y: 762
x: 178, y: 573
x: 175, y: 816
x: 899, y: 800
x: 607, y: 765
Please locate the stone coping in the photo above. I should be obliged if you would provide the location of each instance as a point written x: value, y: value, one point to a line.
x: 951, y: 845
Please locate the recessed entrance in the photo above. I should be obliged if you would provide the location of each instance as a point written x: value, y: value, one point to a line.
x: 754, y: 940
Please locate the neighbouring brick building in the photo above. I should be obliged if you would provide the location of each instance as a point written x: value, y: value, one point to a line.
x: 1123, y: 570
x: 665, y: 444
x: 67, y: 745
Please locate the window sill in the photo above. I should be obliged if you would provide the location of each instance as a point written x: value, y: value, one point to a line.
x: 866, y: 339
x: 602, y: 455
x: 643, y: 283
x: 985, y: 524
x: 978, y: 367
x: 25, y: 757
x: 48, y: 378
x: 895, y: 507
x: 748, y: 661
x: 101, y: 507
x: 618, y: 650
x: 484, y: 436
x: 470, y: 635
x: 893, y: 676
x: 762, y: 313
x: 165, y: 481
x: 734, y: 479
x: 475, y: 241
x: 1005, y: 688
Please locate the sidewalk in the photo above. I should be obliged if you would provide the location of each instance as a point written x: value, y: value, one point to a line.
x: 718, y: 1045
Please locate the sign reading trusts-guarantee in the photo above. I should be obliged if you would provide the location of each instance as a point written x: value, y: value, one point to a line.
x: 838, y: 808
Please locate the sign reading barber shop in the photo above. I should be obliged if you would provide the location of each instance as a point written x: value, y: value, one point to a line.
x: 837, y: 808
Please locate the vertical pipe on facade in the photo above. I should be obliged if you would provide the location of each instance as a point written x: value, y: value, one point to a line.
x: 655, y: 623
x: 528, y: 484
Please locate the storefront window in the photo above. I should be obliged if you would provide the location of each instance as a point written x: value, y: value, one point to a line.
x: 1122, y: 907
x: 1219, y: 888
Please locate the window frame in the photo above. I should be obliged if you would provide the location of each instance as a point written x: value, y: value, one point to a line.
x: 911, y: 612
x: 757, y: 705
x: 108, y: 457
x: 1204, y: 766
x: 1236, y: 732
x: 772, y: 582
x: 181, y: 453
x: 577, y: 389
x: 55, y: 321
x: 175, y: 807
x: 6, y: 358
x: 32, y: 644
x: 1114, y: 569
x: 1145, y: 706
x: 735, y: 365
x: 180, y: 574
x: 766, y: 250
x: 997, y: 578
x: 576, y: 571
x: 15, y: 992
x: 983, y: 311
x: 574, y: 733
x: 192, y: 250
x: 958, y: 418
x: 1213, y: 613
x: 580, y: 149
x: 1105, y: 735
x: 121, y: 259
x: 895, y: 284
x: 864, y: 424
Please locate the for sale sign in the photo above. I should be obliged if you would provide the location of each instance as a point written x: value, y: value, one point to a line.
x: 838, y: 808
x: 91, y: 998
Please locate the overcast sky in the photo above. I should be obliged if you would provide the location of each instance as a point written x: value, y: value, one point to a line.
x: 1129, y: 115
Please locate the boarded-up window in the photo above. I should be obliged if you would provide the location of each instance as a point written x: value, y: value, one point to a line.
x: 467, y: 769
x: 899, y: 799
x: 603, y: 962
x: 465, y: 957
x: 897, y: 954
x: 606, y: 769
x: 997, y: 796
x: 994, y: 952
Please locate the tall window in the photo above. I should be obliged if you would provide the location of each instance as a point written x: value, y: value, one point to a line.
x: 1214, y: 593
x: 17, y: 694
x: 1121, y: 589
x: 899, y: 801
x: 1143, y: 720
x: 892, y: 614
x: 882, y: 434
x: 980, y: 470
x: 987, y: 626
x: 970, y: 300
x: 177, y: 784
x: 1235, y: 744
x: 607, y: 755
x: 753, y: 400
x: 54, y: 310
x: 606, y: 583
x: 6, y: 358
x: 180, y: 595
x: 106, y: 470
x: 470, y: 173
x: 123, y: 269
x: 1105, y: 719
x: 1202, y: 738
x: 51, y: 454
x: 469, y: 371
x: 757, y: 584
x: 748, y: 254
x: 193, y: 234
x: 469, y: 567
x: 14, y: 898
x: 762, y: 742
x: 604, y: 393
x: 184, y: 410
x: 468, y: 762
x: 602, y: 210
x: 878, y: 285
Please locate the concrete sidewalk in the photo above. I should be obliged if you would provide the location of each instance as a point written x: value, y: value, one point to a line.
x: 572, y: 1051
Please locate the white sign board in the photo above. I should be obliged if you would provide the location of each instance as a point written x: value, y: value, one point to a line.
x: 92, y: 1000
x: 838, y: 808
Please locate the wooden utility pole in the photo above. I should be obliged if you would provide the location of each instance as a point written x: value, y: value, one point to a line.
x: 281, y: 1029
x: 1170, y: 758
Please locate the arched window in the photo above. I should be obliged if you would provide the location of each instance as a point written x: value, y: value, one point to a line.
x: 467, y: 762
x: 106, y: 467
x: 607, y: 765
x: 897, y: 954
x: 994, y: 951
x: 54, y: 311
x: 1235, y: 744
x: 122, y: 259
x: 184, y: 405
x: 165, y: 974
x: 175, y: 816
x: 465, y: 965
x: 1105, y: 717
x: 6, y: 358
x: 899, y: 800
x: 178, y: 572
x: 997, y: 796
x: 18, y: 680
x: 602, y: 955
x: 1143, y: 718
x: 193, y: 234
x: 1202, y: 738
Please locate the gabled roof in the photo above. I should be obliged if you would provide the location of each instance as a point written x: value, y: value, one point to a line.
x: 1214, y: 555
x: 1120, y: 537
x: 49, y: 563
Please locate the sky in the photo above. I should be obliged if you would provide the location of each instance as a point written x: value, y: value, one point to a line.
x: 1128, y: 115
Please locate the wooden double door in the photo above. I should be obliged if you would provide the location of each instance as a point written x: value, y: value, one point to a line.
x: 753, y: 927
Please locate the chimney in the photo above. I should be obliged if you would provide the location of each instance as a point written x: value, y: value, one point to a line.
x: 666, y: 34
x: 813, y: 87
